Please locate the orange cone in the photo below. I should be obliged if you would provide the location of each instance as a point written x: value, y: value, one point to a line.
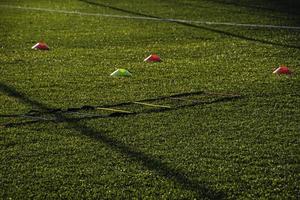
x: 153, y: 58
x: 40, y: 46
x: 283, y: 70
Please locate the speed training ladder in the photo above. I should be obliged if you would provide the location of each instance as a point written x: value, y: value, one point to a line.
x: 152, y: 105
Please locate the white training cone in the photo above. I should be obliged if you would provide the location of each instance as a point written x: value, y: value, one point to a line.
x: 121, y: 72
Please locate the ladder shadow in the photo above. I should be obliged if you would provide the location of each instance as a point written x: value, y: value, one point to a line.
x: 86, y: 112
x: 200, y: 189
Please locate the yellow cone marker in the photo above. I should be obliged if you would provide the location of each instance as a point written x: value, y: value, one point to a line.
x: 120, y: 73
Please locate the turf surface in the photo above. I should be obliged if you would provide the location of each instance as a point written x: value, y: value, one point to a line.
x: 241, y: 148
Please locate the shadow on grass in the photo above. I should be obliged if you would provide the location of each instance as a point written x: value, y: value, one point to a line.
x: 86, y: 112
x: 290, y: 7
x: 199, y: 188
x: 226, y: 33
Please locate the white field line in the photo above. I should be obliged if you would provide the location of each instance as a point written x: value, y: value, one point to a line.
x: 150, y: 18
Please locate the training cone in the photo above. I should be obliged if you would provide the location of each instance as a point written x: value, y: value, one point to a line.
x: 153, y: 58
x: 40, y: 46
x: 120, y: 73
x: 283, y: 70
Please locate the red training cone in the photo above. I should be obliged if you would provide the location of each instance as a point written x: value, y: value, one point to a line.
x: 283, y: 70
x: 153, y: 58
x: 40, y: 46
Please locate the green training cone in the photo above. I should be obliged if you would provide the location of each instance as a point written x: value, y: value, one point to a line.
x: 121, y: 72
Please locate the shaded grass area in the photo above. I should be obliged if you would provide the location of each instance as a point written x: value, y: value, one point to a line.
x: 148, y: 162
x: 247, y: 148
x: 289, y: 7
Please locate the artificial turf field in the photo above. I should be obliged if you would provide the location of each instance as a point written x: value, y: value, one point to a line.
x: 240, y: 141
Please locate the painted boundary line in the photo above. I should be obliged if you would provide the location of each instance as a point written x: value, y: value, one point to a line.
x: 152, y: 18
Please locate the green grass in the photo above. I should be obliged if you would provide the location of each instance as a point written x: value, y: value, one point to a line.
x: 247, y: 148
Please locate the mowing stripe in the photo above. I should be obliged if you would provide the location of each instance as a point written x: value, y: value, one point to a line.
x: 151, y: 18
x: 150, y: 104
x: 115, y: 110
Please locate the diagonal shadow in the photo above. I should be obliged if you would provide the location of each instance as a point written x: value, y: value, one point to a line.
x: 201, y: 190
x: 226, y: 33
x: 12, y: 92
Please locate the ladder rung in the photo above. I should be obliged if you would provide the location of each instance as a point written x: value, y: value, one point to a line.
x: 152, y: 105
x: 115, y: 110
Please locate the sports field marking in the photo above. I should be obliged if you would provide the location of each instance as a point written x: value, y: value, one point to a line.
x: 151, y: 105
x: 151, y: 18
